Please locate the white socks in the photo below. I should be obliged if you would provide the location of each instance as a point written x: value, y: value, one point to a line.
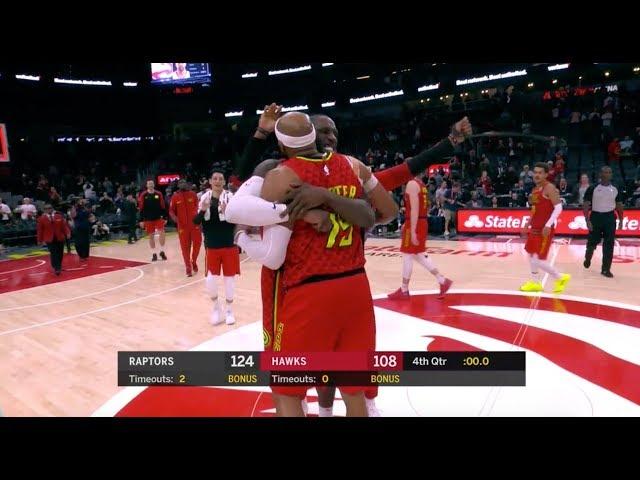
x: 407, y: 268
x: 428, y: 264
x: 211, y: 284
x: 544, y: 266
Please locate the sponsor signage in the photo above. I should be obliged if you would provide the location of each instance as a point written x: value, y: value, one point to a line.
x: 571, y: 222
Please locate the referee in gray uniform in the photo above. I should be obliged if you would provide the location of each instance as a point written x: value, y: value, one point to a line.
x: 599, y: 203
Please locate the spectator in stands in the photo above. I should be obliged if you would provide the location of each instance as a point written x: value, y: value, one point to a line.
x: 442, y: 188
x: 27, y: 210
x: 106, y: 204
x: 517, y: 200
x: 42, y: 193
x: 89, y: 193
x: 100, y: 230
x: 494, y: 202
x: 607, y: 122
x: 511, y: 177
x: 559, y: 164
x: 637, y: 177
x: 613, y: 151
x: 565, y: 192
x: 485, y: 183
x: 476, y: 201
x: 580, y: 189
x: 120, y: 198
x: 54, y: 197
x: 551, y: 175
x: 108, y: 186
x: 452, y: 201
x: 5, y: 213
x: 526, y: 175
x: 485, y: 164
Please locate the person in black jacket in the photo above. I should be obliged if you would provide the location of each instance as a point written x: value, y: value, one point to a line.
x: 130, y: 215
x: 82, y: 229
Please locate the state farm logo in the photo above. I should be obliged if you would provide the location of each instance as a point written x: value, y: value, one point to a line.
x: 496, y: 221
x: 578, y: 223
x: 474, y: 222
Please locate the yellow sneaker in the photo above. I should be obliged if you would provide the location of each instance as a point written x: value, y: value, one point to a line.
x: 531, y: 286
x: 561, y: 283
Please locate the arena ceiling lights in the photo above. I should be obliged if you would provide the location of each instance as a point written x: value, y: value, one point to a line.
x: 496, y: 76
x: 328, y: 104
x: 234, y: 114
x: 327, y: 64
x: 297, y: 108
x: 433, y: 86
x: 250, y: 75
x: 558, y: 66
x: 102, y: 83
x: 377, y: 96
x: 32, y: 78
x: 290, y: 70
x: 130, y: 84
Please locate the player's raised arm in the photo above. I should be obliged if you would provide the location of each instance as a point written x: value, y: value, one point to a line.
x: 386, y: 209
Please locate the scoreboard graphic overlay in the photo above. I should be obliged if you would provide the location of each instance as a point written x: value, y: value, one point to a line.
x: 244, y: 369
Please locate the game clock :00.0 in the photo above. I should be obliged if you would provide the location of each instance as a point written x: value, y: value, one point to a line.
x: 479, y: 361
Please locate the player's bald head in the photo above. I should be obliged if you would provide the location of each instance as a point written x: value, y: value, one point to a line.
x: 295, y: 134
x: 295, y: 124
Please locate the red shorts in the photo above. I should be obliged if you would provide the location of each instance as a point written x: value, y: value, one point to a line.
x: 228, y: 258
x: 537, y: 244
x: 421, y: 230
x: 153, y: 226
x: 327, y: 316
x: 271, y: 290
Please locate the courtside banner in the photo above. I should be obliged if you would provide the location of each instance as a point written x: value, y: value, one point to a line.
x: 4, y: 144
x: 506, y: 220
x: 167, y: 178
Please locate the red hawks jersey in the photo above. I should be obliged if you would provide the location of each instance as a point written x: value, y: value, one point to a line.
x: 541, y: 208
x: 423, y: 202
x: 311, y: 253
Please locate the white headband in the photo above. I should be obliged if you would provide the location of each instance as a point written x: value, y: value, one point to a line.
x: 296, y: 142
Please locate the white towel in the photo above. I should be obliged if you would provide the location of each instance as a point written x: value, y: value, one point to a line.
x: 205, y: 198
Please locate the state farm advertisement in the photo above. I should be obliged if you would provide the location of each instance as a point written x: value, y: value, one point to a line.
x: 503, y: 221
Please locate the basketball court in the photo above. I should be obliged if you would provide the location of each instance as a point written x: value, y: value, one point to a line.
x: 59, y: 337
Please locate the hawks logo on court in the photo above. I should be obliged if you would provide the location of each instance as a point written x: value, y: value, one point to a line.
x: 582, y: 360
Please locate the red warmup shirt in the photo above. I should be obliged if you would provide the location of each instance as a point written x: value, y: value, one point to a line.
x: 184, y: 206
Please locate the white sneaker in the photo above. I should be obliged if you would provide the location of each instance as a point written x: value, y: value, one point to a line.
x: 230, y: 320
x: 216, y: 318
x: 372, y: 410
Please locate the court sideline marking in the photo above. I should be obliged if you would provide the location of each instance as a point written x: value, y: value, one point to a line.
x: 27, y: 268
x: 102, y: 309
x: 100, y: 292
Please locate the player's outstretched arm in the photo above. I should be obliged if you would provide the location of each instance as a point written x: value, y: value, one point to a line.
x: 257, y: 143
x: 445, y: 147
x: 382, y: 201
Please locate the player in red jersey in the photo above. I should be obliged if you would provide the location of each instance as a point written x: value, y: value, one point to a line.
x: 264, y: 251
x: 546, y: 207
x: 326, y: 299
x: 152, y: 215
x: 414, y: 239
x: 183, y: 207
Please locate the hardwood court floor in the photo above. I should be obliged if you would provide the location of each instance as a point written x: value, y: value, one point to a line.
x: 59, y: 341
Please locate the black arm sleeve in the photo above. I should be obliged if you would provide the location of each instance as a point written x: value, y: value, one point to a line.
x: 588, y: 195
x: 421, y: 162
x: 199, y: 218
x: 250, y: 157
